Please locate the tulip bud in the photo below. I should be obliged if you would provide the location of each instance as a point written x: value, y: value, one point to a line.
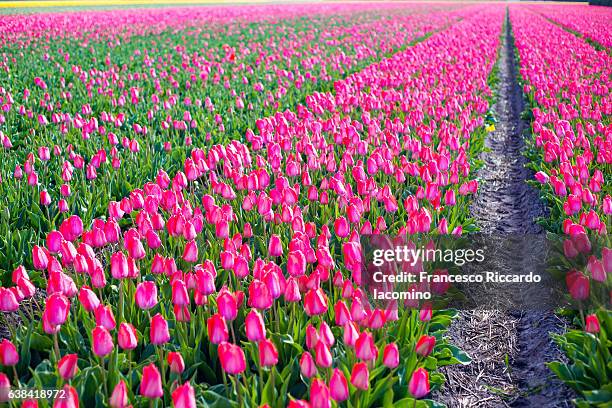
x: 119, y: 397
x: 151, y: 383
x: 578, y: 285
x: 319, y: 394
x: 8, y: 353
x: 217, y: 329
x: 315, y: 302
x: 67, y: 366
x: 419, y: 383
x: 425, y: 345
x: 102, y: 341
x: 8, y: 301
x: 268, y: 355
x: 255, y: 327
x: 391, y: 355
x: 365, y: 347
x: 323, y: 355
x: 592, y: 324
x: 127, y: 337
x: 146, y: 295
x: 232, y: 358
x: 159, y: 333
x: 275, y: 247
x: 184, y: 396
x: 307, y: 365
x: 338, y: 386
x: 175, y: 362
x: 360, y: 376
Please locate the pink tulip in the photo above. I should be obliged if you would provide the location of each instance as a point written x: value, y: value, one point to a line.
x: 275, y: 247
x: 190, y: 254
x: 592, y: 324
x: 8, y: 301
x: 268, y: 355
x: 184, y: 396
x: 360, y: 376
x: 119, y: 396
x: 365, y: 347
x: 217, y: 329
x: 391, y: 355
x: 232, y: 358
x: 419, y: 383
x: 315, y: 302
x: 127, y: 337
x: 146, y: 295
x: 307, y: 365
x: 255, y: 327
x: 8, y: 353
x: 319, y: 394
x: 175, y: 362
x: 158, y: 332
x: 425, y: 345
x: 102, y: 341
x: 67, y: 366
x: 151, y: 382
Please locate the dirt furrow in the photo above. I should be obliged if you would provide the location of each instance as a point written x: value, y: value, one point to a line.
x: 508, y: 349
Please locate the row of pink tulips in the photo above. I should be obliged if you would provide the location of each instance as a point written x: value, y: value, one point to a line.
x: 223, y: 278
x: 568, y: 82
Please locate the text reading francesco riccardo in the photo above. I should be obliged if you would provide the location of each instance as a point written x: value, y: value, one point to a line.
x: 401, y: 273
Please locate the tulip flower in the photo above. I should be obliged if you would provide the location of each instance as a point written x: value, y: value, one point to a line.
x: 119, y: 396
x: 360, y: 376
x: 578, y: 285
x: 226, y: 304
x: 259, y: 295
x: 8, y: 353
x: 268, y: 355
x: 232, y: 358
x: 151, y: 382
x: 391, y: 355
x: 68, y: 399
x: 323, y: 355
x: 275, y: 247
x: 146, y: 295
x: 127, y: 337
x: 217, y: 329
x: 315, y: 302
x: 102, y: 341
x: 419, y: 383
x: 180, y: 297
x: 425, y: 345
x: 89, y: 300
x: 175, y: 362
x: 255, y: 327
x: 596, y: 268
x: 184, y: 396
x: 104, y: 317
x: 40, y: 258
x: 67, y: 366
x: 307, y: 365
x: 592, y: 324
x: 190, y: 254
x: 319, y: 394
x: 365, y: 347
x: 338, y: 386
x: 5, y: 386
x: 57, y: 308
x: 425, y: 313
x: 8, y: 301
x: 158, y: 332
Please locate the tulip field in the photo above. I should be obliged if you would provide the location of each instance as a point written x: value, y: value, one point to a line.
x: 186, y: 190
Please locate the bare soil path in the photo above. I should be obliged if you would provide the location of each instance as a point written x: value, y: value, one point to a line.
x: 508, y: 349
